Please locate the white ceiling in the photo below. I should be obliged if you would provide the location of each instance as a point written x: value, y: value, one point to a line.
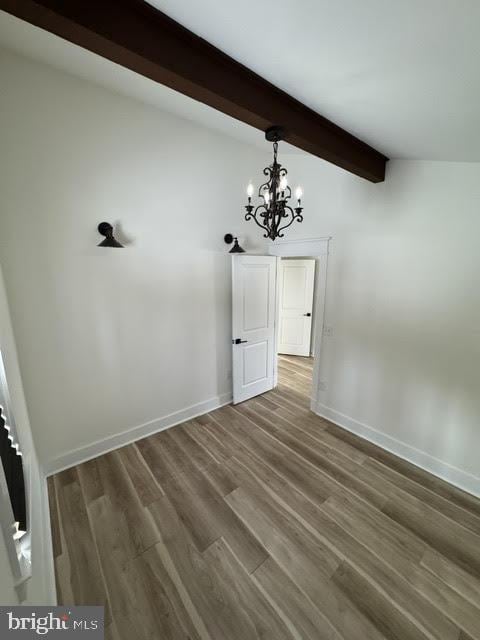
x: 402, y: 75
x: 32, y: 42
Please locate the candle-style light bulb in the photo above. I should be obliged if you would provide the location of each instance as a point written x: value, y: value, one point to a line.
x: 266, y: 195
x: 250, y: 190
x: 283, y: 183
x: 298, y: 193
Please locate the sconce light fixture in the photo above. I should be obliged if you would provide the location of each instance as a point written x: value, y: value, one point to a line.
x: 236, y: 247
x: 106, y: 229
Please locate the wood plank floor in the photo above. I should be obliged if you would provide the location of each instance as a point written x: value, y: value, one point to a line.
x: 263, y: 521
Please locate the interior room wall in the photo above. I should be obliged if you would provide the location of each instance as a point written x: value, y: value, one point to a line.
x: 113, y: 339
x: 403, y: 305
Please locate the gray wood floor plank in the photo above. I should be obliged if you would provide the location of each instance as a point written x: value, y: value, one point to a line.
x: 452, y: 575
x: 377, y: 609
x: 54, y: 518
x: 300, y: 612
x: 460, y: 515
x: 143, y: 480
x: 266, y: 521
x: 85, y: 576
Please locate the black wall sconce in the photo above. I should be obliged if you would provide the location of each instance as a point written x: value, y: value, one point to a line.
x: 106, y: 229
x: 236, y: 247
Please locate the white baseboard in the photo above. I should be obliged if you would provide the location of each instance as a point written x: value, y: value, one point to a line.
x: 38, y: 586
x: 443, y: 470
x: 98, y: 448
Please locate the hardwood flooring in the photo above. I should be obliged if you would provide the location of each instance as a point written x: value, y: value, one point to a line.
x: 264, y: 521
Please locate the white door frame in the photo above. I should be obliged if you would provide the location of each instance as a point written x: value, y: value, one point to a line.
x: 39, y: 586
x: 317, y: 248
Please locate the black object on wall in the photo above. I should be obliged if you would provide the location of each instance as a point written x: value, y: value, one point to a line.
x: 106, y: 229
x: 236, y: 247
x: 13, y: 468
x: 274, y: 214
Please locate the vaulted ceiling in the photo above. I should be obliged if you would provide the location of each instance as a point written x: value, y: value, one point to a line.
x: 402, y: 75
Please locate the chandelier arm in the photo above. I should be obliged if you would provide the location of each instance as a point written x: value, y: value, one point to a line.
x: 266, y: 213
x: 266, y: 186
x: 294, y: 216
x: 253, y: 216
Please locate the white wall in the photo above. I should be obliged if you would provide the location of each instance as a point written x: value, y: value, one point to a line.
x: 112, y: 339
x: 403, y: 298
x: 109, y: 340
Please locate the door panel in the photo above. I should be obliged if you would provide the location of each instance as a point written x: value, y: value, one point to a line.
x: 296, y: 306
x: 253, y: 323
x: 255, y: 362
x: 256, y: 281
x: 291, y: 332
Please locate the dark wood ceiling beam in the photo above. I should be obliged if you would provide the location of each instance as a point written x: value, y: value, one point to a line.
x: 135, y: 35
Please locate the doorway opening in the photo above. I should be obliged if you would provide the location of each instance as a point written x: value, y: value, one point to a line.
x: 278, y: 343
x: 301, y: 371
x: 296, y: 323
x: 296, y: 373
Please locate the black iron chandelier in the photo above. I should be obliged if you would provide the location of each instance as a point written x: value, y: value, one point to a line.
x: 273, y: 214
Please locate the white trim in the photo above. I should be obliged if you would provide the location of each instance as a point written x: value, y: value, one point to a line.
x: 36, y: 584
x: 317, y: 248
x: 321, y: 296
x: 442, y: 470
x: 308, y: 248
x: 98, y: 448
x: 277, y: 323
x: 7, y: 528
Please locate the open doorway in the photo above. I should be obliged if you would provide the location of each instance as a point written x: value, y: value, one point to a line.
x: 296, y: 323
x: 296, y: 372
x: 257, y: 365
x: 301, y: 289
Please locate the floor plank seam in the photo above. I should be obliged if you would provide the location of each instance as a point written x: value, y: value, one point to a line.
x: 265, y: 521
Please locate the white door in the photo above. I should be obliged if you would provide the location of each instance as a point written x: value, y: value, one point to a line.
x: 253, y: 320
x: 296, y: 306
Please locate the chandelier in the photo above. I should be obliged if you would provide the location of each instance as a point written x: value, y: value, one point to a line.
x: 274, y: 214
